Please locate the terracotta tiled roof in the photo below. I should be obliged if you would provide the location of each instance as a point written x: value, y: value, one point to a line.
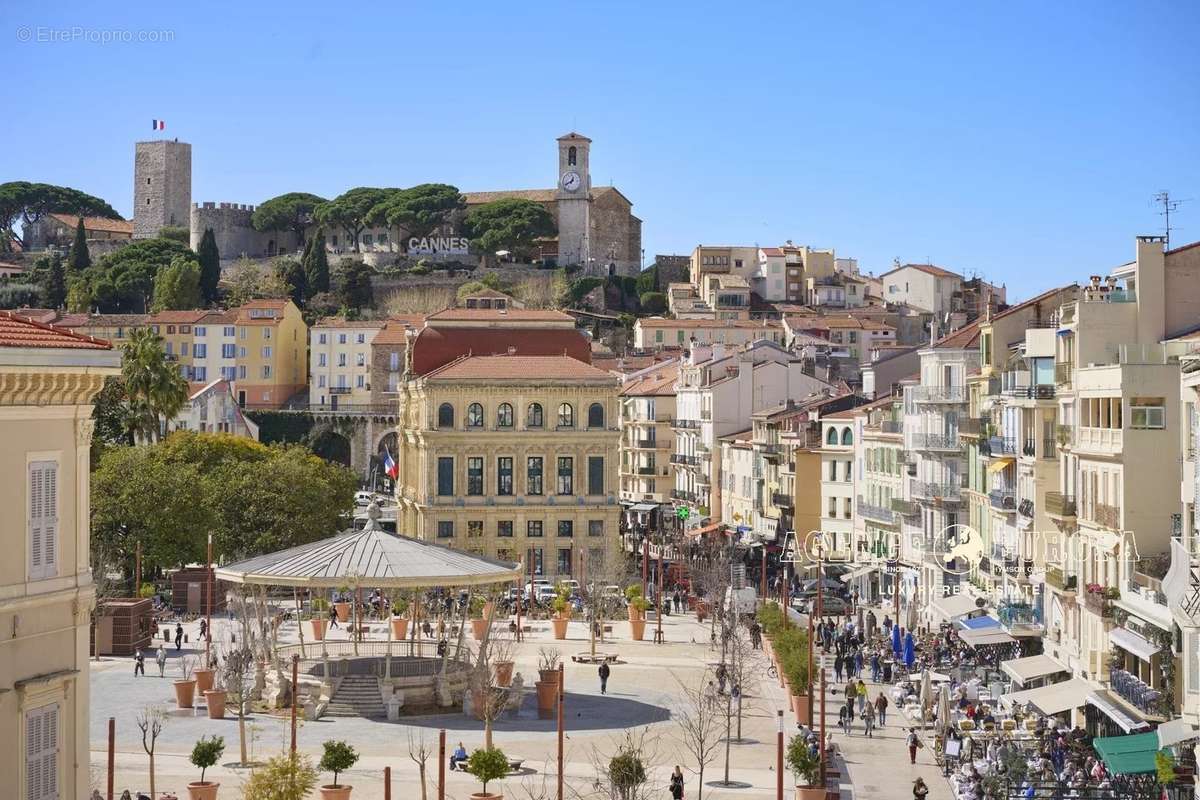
x: 435, y: 346
x: 342, y: 322
x: 394, y: 328
x: 243, y: 311
x: 19, y: 331
x: 771, y: 251
x: 97, y: 223
x: 219, y: 318
x: 176, y: 317
x: 658, y: 383
x: 489, y: 292
x: 822, y: 323
x: 499, y: 315
x: 536, y: 195
x: 528, y: 368
x: 37, y: 314
x: 102, y: 320
x: 961, y: 339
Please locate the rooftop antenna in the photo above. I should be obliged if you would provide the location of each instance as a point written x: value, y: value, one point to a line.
x: 1164, y: 201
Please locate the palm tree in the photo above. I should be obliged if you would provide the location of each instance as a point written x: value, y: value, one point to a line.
x: 153, y: 385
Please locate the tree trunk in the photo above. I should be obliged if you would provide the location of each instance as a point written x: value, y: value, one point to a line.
x: 242, y: 733
x: 421, y: 772
x: 487, y: 724
x: 700, y: 782
x: 152, y: 792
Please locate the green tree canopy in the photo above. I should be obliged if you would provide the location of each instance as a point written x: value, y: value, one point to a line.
x: 316, y: 265
x: 420, y: 209
x: 511, y: 224
x: 290, y: 272
x: 352, y: 210
x: 254, y: 498
x: 154, y: 388
x: 26, y: 203
x: 123, y: 280
x: 54, y: 284
x: 248, y: 280
x: 80, y: 258
x: 177, y: 286
x: 287, y: 212
x: 210, y: 266
x: 354, y: 289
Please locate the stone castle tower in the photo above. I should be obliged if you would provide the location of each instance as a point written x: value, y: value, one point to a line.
x: 162, y: 186
x: 574, y: 195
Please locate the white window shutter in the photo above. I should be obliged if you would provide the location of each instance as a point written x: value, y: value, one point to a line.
x: 50, y: 753
x: 33, y: 755
x: 50, y: 519
x: 41, y: 753
x: 36, y: 534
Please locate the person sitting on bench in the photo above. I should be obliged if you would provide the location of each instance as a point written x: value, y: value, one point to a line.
x: 459, y: 756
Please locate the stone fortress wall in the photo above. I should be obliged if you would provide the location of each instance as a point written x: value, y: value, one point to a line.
x: 236, y: 236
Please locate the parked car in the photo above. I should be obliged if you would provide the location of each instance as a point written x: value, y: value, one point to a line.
x: 544, y: 593
x: 531, y: 588
x: 363, y: 499
x: 831, y: 605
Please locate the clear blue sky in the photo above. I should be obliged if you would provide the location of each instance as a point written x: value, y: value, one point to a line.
x: 1019, y: 140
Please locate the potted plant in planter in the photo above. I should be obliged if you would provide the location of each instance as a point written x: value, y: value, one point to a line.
x: 338, y: 757
x: 548, y: 665
x: 487, y: 764
x: 343, y: 606
x: 637, y: 617
x: 204, y: 678
x: 547, y: 686
x: 807, y: 769
x: 399, y: 621
x: 214, y: 700
x: 479, y: 622
x: 288, y: 776
x: 205, y: 754
x: 185, y: 687
x: 561, y: 591
x: 633, y: 592
x: 561, y: 617
x: 796, y: 670
x: 320, y: 608
x: 504, y: 672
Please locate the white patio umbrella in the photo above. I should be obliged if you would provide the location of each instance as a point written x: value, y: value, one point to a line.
x: 943, y: 707
x: 926, y: 696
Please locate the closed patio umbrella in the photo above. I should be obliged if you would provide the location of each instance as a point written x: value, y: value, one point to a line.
x: 896, y: 641
x: 909, y: 650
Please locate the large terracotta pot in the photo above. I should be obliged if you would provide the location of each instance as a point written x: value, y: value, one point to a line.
x: 810, y: 793
x: 318, y: 627
x: 399, y: 628
x: 548, y: 676
x: 479, y: 628
x: 634, y: 613
x: 215, y: 700
x: 547, y: 698
x: 701, y: 611
x: 336, y: 792
x: 204, y: 680
x: 486, y: 796
x: 637, y: 629
x: 185, y: 693
x: 560, y: 627
x: 203, y: 791
x: 343, y: 612
x: 504, y: 673
x: 800, y: 706
x: 489, y: 608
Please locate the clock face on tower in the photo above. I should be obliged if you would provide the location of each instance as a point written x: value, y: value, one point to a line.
x: 571, y: 181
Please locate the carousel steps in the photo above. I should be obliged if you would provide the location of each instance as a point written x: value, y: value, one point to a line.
x: 357, y: 696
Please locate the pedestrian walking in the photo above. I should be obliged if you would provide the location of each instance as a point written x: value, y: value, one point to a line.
x: 139, y: 664
x: 920, y: 790
x: 333, y: 620
x: 875, y: 668
x: 846, y: 719
x: 203, y: 629
x: 677, y: 784
x: 881, y: 705
x: 178, y: 635
x: 721, y: 678
x: 160, y: 658
x: 868, y: 715
x: 604, y: 672
x: 837, y: 669
x: 913, y: 741
x: 858, y: 662
x: 861, y: 691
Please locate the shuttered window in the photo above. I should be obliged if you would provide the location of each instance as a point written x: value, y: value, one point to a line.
x: 41, y: 753
x: 43, y: 519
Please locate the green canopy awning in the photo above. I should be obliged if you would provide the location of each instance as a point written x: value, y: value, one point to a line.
x: 1128, y: 755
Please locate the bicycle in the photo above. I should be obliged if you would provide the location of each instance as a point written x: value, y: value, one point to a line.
x: 772, y: 671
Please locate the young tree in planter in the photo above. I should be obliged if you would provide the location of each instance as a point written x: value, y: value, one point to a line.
x: 150, y: 721
x: 487, y: 764
x: 287, y: 776
x: 601, y: 570
x: 419, y: 751
x: 489, y: 698
x: 338, y: 757
x: 623, y: 772
x: 700, y: 724
x: 804, y: 765
x: 205, y: 754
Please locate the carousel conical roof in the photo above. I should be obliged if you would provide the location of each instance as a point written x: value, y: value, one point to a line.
x: 370, y: 557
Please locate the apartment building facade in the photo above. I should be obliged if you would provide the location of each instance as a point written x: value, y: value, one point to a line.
x: 340, y: 362
x: 513, y: 457
x: 656, y: 333
x: 647, y: 402
x: 48, y: 379
x: 272, y: 353
x: 389, y: 356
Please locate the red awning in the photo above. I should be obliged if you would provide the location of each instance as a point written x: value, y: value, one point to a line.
x: 703, y: 530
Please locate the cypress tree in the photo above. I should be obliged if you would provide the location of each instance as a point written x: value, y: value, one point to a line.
x: 54, y: 291
x: 81, y: 259
x: 316, y: 264
x: 210, y: 266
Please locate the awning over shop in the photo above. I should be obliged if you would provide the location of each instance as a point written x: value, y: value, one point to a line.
x: 643, y: 508
x: 1102, y: 700
x: 1126, y: 639
x: 1030, y: 668
x: 948, y: 608
x: 858, y: 572
x: 999, y: 464
x: 1176, y: 731
x: 985, y: 636
x: 703, y: 530
x: 979, y: 623
x: 1128, y: 755
x: 1055, y: 698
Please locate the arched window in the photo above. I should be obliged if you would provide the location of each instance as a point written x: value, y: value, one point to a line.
x: 533, y: 417
x: 847, y: 437
x: 595, y: 416
x: 474, y: 416
x: 504, y: 416
x: 566, y: 416
x: 831, y: 436
x: 571, y: 155
x: 445, y: 416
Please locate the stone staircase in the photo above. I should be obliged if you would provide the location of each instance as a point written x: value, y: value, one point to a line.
x: 357, y: 696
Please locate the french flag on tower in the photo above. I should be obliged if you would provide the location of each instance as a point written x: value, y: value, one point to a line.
x: 389, y: 464
x: 158, y: 124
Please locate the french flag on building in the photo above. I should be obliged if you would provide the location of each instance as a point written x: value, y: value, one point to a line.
x: 389, y: 465
x: 158, y: 125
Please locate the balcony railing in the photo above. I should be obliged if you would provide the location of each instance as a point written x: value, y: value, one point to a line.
x: 904, y: 507
x: 1136, y: 692
x: 690, y: 461
x: 877, y: 513
x: 1056, y: 578
x: 1100, y: 440
x: 970, y: 426
x: 891, y: 426
x: 1108, y: 516
x: 940, y: 394
x: 1064, y: 374
x: 1011, y: 614
x: 936, y: 441
x: 1002, y: 446
x: 706, y: 413
x: 1003, y: 500
x: 1037, y: 391
x: 647, y: 444
x: 339, y: 390
x: 645, y: 471
x: 1097, y: 602
x: 932, y: 490
x: 680, y: 494
x: 782, y: 500
x: 685, y: 424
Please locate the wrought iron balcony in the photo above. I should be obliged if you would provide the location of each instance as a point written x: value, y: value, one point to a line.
x: 1108, y: 516
x: 339, y: 390
x: 1037, y: 391
x: 685, y: 424
x: 904, y: 507
x: 1060, y: 505
x: 936, y: 441
x: 1002, y: 446
x: 932, y: 490
x: 646, y: 471
x: 782, y: 500
x: 1002, y: 500
x: 1025, y: 508
x: 680, y: 458
x: 1136, y: 692
x: 647, y: 444
x: 970, y: 426
x: 877, y: 513
x: 940, y: 394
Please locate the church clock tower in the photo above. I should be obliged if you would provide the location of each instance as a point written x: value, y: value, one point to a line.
x: 574, y: 196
